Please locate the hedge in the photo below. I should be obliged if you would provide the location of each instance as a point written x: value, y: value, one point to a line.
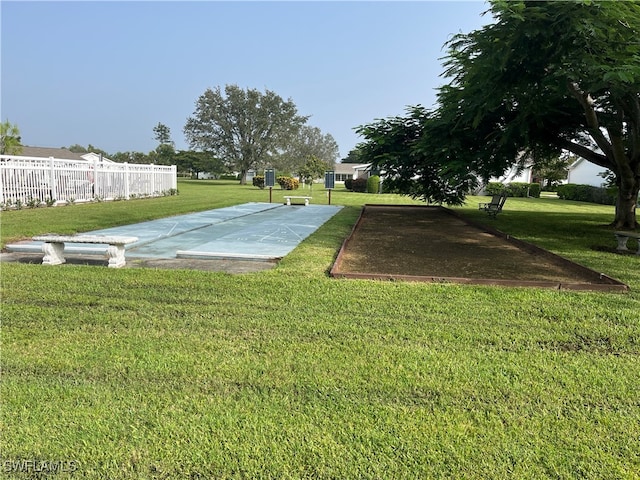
x: 588, y: 193
x: 348, y: 183
x: 515, y: 189
x: 359, y: 185
x: 373, y: 184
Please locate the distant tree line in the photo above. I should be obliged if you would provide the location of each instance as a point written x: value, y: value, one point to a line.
x: 236, y: 130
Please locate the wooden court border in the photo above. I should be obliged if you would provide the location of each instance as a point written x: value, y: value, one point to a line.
x: 596, y: 281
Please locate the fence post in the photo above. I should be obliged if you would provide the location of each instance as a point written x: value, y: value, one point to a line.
x: 52, y: 179
x: 153, y: 180
x: 126, y: 181
x: 2, y: 169
x: 96, y: 184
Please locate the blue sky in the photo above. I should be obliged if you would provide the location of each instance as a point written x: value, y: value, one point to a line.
x: 106, y: 73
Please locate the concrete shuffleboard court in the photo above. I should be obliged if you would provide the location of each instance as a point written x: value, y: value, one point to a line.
x: 434, y: 244
x: 249, y: 232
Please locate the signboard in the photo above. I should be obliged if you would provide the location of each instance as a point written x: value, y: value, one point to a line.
x: 330, y: 179
x: 269, y: 177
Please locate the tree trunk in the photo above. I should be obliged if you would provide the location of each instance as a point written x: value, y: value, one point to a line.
x: 626, y: 204
x: 243, y: 177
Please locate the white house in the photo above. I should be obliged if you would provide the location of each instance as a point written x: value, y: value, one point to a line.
x: 584, y: 172
x: 95, y: 157
x: 344, y: 171
x: 514, y: 175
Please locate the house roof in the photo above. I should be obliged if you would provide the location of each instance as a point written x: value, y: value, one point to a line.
x: 92, y: 156
x: 344, y: 167
x: 46, y: 152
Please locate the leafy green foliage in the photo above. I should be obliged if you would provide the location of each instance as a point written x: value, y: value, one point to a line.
x: 409, y: 153
x: 308, y: 148
x: 548, y: 76
x: 348, y: 183
x: 544, y: 77
x: 373, y: 184
x: 288, y: 183
x: 353, y: 156
x: 162, y: 134
x: 534, y: 190
x: 9, y: 139
x: 258, y: 181
x: 553, y: 170
x: 313, y: 168
x: 243, y: 127
x: 359, y: 185
x: 514, y: 189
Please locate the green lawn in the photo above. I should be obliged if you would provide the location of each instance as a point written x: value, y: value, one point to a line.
x: 137, y: 374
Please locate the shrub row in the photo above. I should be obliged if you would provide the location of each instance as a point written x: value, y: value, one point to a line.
x: 588, y: 193
x: 369, y: 185
x: 286, y: 183
x: 515, y: 189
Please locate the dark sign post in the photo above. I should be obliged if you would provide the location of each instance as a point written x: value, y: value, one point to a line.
x: 330, y: 181
x: 269, y: 180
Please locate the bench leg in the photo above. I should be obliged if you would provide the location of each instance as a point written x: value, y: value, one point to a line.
x: 116, y: 256
x: 622, y: 243
x: 288, y: 201
x: 306, y: 202
x: 53, y: 253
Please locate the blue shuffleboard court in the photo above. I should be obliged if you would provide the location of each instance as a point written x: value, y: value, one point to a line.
x: 251, y: 231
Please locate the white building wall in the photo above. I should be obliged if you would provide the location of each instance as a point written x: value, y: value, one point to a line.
x: 583, y: 172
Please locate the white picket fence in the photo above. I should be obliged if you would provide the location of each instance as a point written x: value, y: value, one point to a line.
x: 29, y: 180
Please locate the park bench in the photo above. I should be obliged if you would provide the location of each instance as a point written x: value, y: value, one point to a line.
x: 622, y: 238
x: 288, y: 199
x: 494, y: 207
x: 53, y: 247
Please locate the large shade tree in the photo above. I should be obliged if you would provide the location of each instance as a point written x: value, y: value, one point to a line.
x: 417, y: 157
x: 309, y: 143
x: 543, y: 78
x: 245, y: 128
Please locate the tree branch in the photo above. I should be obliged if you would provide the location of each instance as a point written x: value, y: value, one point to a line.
x: 634, y: 126
x: 586, y: 153
x: 592, y: 118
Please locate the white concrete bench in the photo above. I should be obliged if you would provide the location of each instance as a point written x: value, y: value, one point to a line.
x: 53, y: 247
x: 622, y: 238
x: 289, y: 197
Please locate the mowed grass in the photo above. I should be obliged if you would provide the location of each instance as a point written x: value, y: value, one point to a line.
x: 137, y: 373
